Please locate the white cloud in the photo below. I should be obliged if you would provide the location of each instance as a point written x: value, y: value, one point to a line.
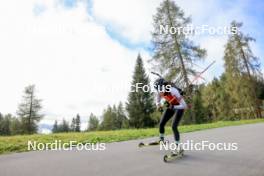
x: 132, y: 19
x: 65, y: 54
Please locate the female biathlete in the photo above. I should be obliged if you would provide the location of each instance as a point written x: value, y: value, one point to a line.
x: 175, y: 108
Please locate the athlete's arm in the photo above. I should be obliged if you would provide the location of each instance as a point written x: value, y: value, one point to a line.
x: 182, y: 103
x: 158, y: 100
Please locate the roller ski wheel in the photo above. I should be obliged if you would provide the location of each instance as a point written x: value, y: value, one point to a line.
x: 173, y: 156
x: 141, y: 144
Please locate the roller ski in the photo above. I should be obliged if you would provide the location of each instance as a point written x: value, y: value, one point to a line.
x: 177, y: 154
x: 154, y: 143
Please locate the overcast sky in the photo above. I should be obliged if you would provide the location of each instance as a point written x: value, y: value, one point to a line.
x: 74, y: 50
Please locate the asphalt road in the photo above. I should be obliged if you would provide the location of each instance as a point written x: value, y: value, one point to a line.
x: 125, y: 158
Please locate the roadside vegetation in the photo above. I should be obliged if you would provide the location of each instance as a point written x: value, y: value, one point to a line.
x: 11, y: 144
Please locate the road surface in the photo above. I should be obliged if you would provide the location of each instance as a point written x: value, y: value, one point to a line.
x: 126, y: 159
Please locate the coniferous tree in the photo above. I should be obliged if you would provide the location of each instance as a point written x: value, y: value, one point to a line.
x: 64, y: 126
x: 78, y: 123
x: 216, y: 100
x: 210, y: 98
x: 241, y: 68
x: 55, y: 128
x: 121, y: 121
x: 93, y: 123
x: 140, y: 103
x: 260, y: 88
x: 61, y: 127
x: 108, y: 119
x: 199, y: 111
x: 223, y: 100
x: 5, y: 122
x: 9, y: 125
x: 29, y: 111
x: 114, y: 118
x: 73, y: 124
x: 15, y: 126
x: 174, y: 53
x: 1, y: 124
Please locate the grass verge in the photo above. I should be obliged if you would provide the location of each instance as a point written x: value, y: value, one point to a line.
x: 11, y: 144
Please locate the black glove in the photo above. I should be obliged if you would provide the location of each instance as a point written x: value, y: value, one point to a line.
x: 166, y: 104
x: 160, y: 109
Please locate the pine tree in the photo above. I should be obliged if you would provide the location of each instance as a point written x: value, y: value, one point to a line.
x: 65, y: 126
x: 210, y: 98
x: 55, y: 127
x: 15, y: 126
x: 216, y: 100
x: 140, y: 103
x: 29, y: 110
x: 233, y: 78
x: 73, y: 125
x: 174, y: 53
x: 5, y: 122
x: 78, y: 123
x: 93, y: 123
x: 199, y: 110
x: 114, y: 118
x: 260, y: 88
x: 121, y: 121
x: 249, y: 65
x: 224, y: 101
x: 1, y: 124
x: 108, y: 119
x: 242, y: 68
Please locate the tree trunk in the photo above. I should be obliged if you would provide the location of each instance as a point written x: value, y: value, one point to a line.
x: 30, y: 113
x: 177, y: 48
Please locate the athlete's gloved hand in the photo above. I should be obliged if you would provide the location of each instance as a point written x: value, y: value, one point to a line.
x: 166, y: 104
x: 160, y: 109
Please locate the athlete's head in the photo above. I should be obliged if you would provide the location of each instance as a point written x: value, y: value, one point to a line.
x: 161, y: 85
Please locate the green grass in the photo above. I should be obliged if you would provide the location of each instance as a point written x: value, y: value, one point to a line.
x: 19, y: 143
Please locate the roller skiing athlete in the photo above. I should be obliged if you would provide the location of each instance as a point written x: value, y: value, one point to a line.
x: 176, y: 105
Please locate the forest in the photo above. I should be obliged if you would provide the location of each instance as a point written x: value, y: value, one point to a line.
x: 238, y: 94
